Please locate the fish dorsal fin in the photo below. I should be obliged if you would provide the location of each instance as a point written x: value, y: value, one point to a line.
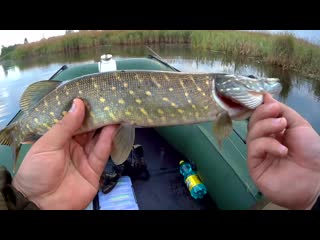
x: 35, y: 92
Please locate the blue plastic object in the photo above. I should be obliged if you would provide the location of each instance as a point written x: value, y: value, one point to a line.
x: 193, y: 182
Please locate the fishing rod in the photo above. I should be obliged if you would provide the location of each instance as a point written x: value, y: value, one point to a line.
x: 160, y: 59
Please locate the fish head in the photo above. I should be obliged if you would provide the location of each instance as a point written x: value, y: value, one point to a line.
x: 240, y: 95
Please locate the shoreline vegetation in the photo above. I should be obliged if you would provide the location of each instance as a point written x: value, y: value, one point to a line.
x: 282, y: 50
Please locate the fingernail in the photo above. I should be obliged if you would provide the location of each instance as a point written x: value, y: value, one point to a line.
x: 283, y: 150
x: 277, y: 121
x: 73, y: 107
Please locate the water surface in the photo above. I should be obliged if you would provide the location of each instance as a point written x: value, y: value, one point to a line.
x: 298, y: 92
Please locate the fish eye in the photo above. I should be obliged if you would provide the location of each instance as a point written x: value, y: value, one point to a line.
x: 252, y: 76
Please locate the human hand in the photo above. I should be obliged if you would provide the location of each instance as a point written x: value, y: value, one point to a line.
x: 61, y: 171
x: 284, y: 155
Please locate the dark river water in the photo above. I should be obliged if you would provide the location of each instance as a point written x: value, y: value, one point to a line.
x: 298, y: 92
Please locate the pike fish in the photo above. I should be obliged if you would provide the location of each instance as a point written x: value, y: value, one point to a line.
x: 138, y: 99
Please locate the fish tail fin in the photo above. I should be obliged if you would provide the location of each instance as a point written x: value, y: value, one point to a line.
x: 7, y: 138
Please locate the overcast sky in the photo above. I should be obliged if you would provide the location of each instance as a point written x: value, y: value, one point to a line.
x: 11, y: 37
x: 310, y: 35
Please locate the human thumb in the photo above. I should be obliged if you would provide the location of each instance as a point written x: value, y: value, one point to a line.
x: 63, y: 131
x: 268, y: 98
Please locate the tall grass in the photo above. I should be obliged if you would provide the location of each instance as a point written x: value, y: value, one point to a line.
x: 282, y: 50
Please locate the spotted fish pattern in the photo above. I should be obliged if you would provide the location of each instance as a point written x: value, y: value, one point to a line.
x: 144, y: 99
x: 134, y: 98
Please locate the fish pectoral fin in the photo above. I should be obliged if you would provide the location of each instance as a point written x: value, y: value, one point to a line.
x: 122, y: 144
x: 15, y: 154
x: 222, y: 128
x: 35, y: 92
x: 31, y: 138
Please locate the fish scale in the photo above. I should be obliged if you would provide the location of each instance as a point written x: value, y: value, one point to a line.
x: 103, y: 96
x: 132, y: 98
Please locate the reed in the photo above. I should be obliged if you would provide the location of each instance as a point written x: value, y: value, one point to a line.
x: 282, y: 50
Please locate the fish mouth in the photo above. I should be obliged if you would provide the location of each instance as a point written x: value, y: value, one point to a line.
x: 236, y: 109
x: 230, y: 102
x: 240, y: 95
x: 249, y: 99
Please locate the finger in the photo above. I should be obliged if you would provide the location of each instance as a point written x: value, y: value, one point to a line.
x: 89, y: 145
x: 100, y: 153
x: 280, y: 135
x: 270, y: 109
x: 62, y: 132
x: 267, y: 98
x: 260, y: 147
x: 82, y: 139
x: 294, y: 119
x: 266, y: 127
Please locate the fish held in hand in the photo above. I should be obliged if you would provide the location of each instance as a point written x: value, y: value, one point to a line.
x: 138, y: 99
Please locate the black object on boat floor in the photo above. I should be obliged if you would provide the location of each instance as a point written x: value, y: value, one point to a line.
x: 165, y: 188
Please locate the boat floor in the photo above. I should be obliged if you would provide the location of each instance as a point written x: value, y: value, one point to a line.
x: 165, y: 189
